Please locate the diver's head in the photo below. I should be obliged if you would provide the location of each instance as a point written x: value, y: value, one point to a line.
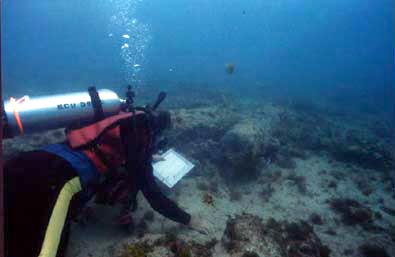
x: 161, y: 120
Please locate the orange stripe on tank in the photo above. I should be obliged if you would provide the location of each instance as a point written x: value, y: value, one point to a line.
x: 14, y: 104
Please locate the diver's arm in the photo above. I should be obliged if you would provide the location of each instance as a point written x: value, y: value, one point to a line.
x: 159, y: 202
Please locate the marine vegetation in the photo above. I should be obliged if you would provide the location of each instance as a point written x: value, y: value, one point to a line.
x: 180, y: 249
x: 369, y: 250
x: 140, y: 249
x: 351, y: 211
x: 273, y: 238
x: 240, y: 167
x: 208, y: 199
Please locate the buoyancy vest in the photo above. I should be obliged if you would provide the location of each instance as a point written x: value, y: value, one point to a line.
x: 87, y: 172
x: 101, y: 141
x: 85, y: 148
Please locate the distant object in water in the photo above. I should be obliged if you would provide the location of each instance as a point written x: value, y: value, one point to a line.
x: 125, y: 46
x: 244, y: 12
x: 230, y: 68
x: 126, y: 36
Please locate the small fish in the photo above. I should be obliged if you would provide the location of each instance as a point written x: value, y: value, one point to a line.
x: 136, y: 65
x: 230, y: 68
x: 126, y: 36
x: 124, y: 46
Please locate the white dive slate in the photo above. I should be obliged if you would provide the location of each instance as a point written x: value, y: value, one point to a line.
x: 172, y: 169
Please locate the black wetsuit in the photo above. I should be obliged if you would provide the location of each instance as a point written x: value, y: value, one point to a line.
x: 33, y: 182
x: 145, y: 182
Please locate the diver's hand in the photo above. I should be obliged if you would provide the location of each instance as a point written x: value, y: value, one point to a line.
x: 199, y: 225
x: 157, y: 158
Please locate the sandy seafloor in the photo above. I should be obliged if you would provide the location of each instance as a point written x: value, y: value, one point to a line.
x: 297, y: 181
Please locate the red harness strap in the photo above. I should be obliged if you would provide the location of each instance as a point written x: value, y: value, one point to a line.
x: 107, y: 141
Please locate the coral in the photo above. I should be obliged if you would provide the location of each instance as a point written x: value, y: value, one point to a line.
x: 351, y: 211
x: 332, y: 184
x: 301, y: 241
x: 243, y: 167
x: 250, y: 254
x: 185, y: 252
x: 239, y: 229
x: 317, y: 133
x: 203, y: 250
x: 208, y: 199
x: 180, y: 248
x: 271, y: 149
x: 369, y: 250
x: 316, y: 219
x: 242, y: 147
x: 170, y: 236
x: 365, y: 152
x: 136, y: 250
x: 211, y: 243
x: 299, y: 181
x: 273, y: 238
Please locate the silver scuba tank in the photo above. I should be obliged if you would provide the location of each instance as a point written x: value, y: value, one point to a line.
x: 32, y: 114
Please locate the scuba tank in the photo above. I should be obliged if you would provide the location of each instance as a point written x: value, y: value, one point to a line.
x: 33, y: 114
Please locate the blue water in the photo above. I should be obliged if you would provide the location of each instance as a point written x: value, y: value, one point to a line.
x: 328, y: 66
x: 338, y: 50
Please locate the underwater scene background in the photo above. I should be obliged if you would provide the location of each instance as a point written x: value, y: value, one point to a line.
x: 286, y: 108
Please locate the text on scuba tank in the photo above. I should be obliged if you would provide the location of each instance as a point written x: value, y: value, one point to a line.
x: 74, y: 105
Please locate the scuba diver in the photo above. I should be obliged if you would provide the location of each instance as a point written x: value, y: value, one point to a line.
x: 46, y: 189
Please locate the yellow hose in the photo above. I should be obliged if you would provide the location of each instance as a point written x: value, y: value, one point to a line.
x: 58, y: 217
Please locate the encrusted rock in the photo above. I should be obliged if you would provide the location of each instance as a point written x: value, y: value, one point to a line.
x: 352, y: 212
x: 243, y: 147
x: 248, y: 233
